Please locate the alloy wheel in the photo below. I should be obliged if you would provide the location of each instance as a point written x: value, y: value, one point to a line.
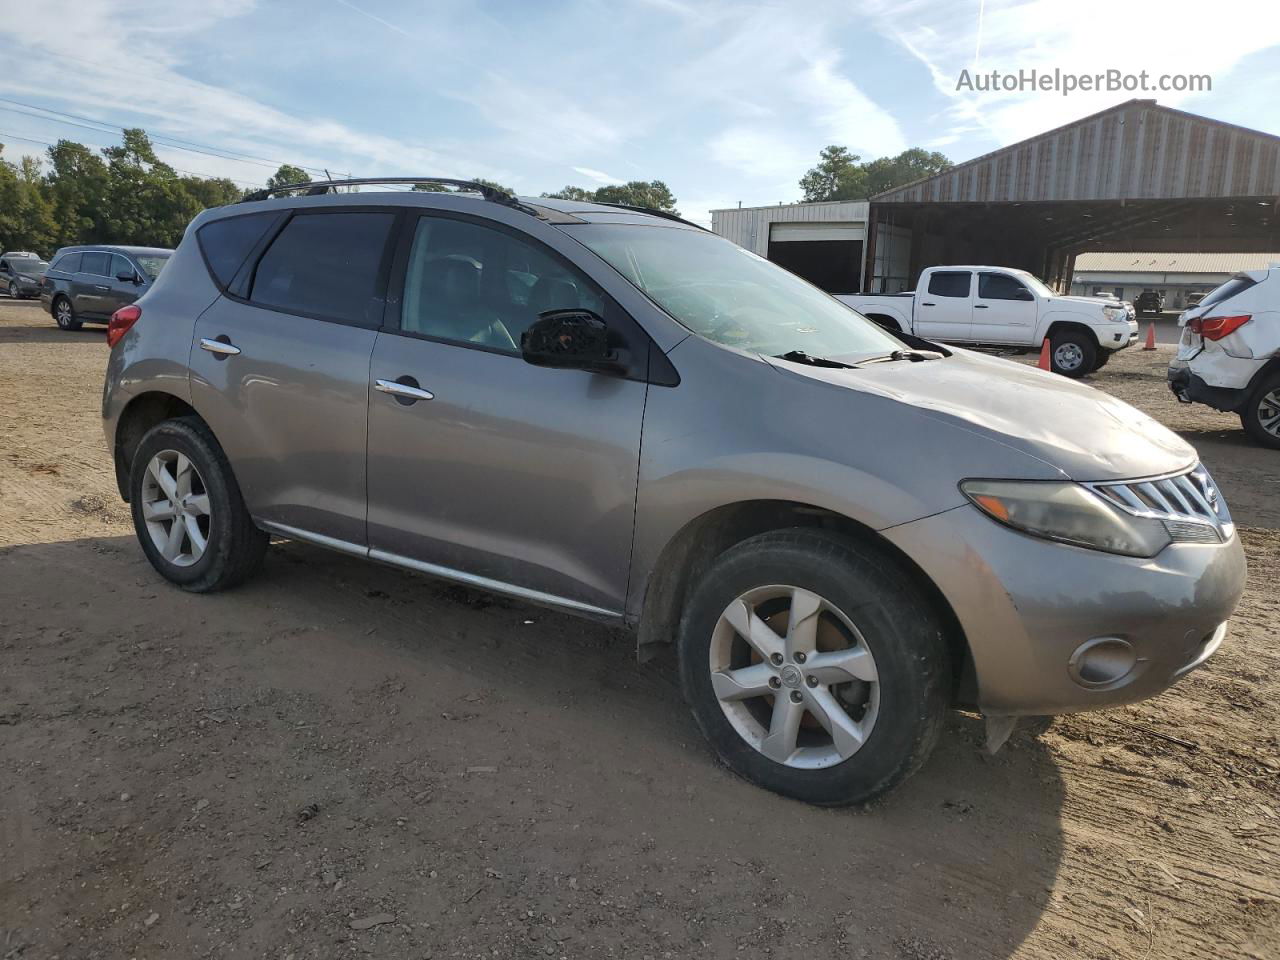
x: 1269, y: 412
x: 794, y: 677
x: 62, y: 313
x: 175, y: 507
x: 1068, y: 356
x: 13, y: 290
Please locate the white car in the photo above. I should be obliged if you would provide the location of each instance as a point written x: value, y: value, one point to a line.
x: 1000, y: 306
x: 1229, y: 353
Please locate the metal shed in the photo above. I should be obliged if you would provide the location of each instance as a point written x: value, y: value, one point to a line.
x: 1137, y: 176
x: 822, y: 242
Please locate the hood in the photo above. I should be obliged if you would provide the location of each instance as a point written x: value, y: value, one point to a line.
x: 1094, y: 302
x: 1082, y: 432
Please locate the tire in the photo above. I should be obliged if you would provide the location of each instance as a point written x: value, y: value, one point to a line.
x: 1260, y: 416
x: 13, y: 291
x: 65, y: 315
x: 1102, y: 358
x: 873, y: 609
x: 1072, y: 353
x: 210, y: 499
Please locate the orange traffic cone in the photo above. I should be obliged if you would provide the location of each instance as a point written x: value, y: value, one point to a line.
x: 1151, y: 337
x: 1044, y: 356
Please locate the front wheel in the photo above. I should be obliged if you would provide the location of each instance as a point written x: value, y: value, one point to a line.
x: 187, y: 510
x: 814, y: 666
x: 13, y: 291
x: 1072, y: 353
x: 1260, y: 415
x: 65, y: 315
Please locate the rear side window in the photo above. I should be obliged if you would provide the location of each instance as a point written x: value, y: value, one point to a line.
x: 1228, y: 290
x: 95, y: 263
x: 225, y: 243
x: 68, y: 263
x: 326, y: 265
x: 949, y: 284
x: 999, y: 286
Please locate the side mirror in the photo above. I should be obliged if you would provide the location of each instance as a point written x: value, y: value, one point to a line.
x: 572, y: 339
x: 129, y: 277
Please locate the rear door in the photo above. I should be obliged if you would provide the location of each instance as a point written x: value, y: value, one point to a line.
x: 89, y: 286
x: 483, y: 467
x: 280, y: 363
x: 944, y: 311
x: 1004, y: 310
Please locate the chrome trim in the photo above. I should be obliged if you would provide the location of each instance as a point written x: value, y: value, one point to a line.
x: 402, y: 390
x: 494, y: 586
x: 444, y: 573
x: 1187, y: 497
x: 218, y: 347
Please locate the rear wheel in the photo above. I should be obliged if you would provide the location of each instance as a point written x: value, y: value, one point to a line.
x: 814, y: 667
x: 187, y: 510
x: 13, y: 291
x: 1072, y: 353
x: 1260, y: 415
x: 65, y: 314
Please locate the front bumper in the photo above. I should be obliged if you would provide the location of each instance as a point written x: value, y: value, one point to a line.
x: 1118, y: 336
x: 1028, y: 607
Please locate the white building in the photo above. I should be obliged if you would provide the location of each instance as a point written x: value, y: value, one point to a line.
x: 1173, y: 275
x: 822, y: 242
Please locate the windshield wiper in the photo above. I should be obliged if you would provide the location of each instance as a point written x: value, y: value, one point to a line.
x: 915, y: 356
x: 799, y: 356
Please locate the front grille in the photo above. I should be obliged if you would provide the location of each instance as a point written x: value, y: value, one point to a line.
x: 1187, y: 503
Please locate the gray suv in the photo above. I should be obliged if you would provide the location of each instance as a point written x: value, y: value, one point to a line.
x: 90, y: 283
x: 842, y: 531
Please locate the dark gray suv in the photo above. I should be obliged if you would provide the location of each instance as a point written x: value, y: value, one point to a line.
x: 843, y: 531
x: 90, y: 283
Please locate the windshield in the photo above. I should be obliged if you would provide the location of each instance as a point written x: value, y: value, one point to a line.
x: 152, y: 263
x: 727, y: 294
x: 1034, y: 282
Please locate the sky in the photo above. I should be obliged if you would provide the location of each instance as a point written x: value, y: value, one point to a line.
x: 727, y: 101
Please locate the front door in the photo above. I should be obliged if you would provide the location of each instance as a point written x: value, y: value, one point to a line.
x: 1004, y: 311
x: 281, y: 374
x: 944, y: 311
x: 483, y: 467
x: 121, y: 292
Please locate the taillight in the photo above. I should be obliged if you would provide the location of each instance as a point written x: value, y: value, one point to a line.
x: 1215, y: 328
x: 121, y: 321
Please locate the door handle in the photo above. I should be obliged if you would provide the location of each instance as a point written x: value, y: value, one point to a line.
x: 928, y: 304
x: 980, y: 306
x: 102, y: 287
x: 221, y: 347
x: 405, y: 390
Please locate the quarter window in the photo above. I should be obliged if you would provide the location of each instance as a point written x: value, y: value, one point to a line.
x: 949, y: 284
x: 473, y: 284
x: 95, y: 263
x: 999, y: 286
x: 227, y: 242
x: 326, y: 265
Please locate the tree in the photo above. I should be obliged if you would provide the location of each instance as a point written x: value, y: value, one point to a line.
x: 77, y: 187
x: 26, y: 216
x: 653, y: 194
x: 840, y: 175
x: 287, y: 173
x: 428, y: 186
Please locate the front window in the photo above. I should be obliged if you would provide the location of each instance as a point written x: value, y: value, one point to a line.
x: 731, y: 296
x: 1033, y: 282
x: 151, y: 263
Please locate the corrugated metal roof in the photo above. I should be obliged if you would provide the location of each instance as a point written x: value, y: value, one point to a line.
x: 1135, y: 150
x: 1173, y: 262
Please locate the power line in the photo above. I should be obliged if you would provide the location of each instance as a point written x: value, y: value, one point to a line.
x: 75, y: 120
x: 190, y: 173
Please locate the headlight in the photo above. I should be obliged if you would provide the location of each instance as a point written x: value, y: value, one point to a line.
x: 1114, y: 313
x: 1068, y: 513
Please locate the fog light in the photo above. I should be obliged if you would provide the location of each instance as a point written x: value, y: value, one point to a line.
x: 1102, y: 661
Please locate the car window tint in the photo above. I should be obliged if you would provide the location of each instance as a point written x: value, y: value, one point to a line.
x: 227, y: 242
x: 68, y: 262
x: 95, y: 263
x: 326, y: 265
x: 999, y: 286
x: 474, y: 284
x: 949, y: 284
x: 119, y: 265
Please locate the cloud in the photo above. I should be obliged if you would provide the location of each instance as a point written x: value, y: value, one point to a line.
x: 598, y: 176
x: 375, y: 18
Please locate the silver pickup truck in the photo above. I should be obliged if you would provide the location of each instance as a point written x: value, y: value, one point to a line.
x: 1000, y: 306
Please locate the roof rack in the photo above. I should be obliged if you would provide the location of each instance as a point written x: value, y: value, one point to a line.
x: 653, y: 212
x: 315, y: 188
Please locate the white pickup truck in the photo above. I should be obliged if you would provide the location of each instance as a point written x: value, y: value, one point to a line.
x: 999, y: 306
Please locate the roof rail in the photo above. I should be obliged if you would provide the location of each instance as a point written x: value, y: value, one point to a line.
x: 653, y: 212
x: 317, y: 187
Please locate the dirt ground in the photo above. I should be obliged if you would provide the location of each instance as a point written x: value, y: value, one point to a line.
x: 341, y: 760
